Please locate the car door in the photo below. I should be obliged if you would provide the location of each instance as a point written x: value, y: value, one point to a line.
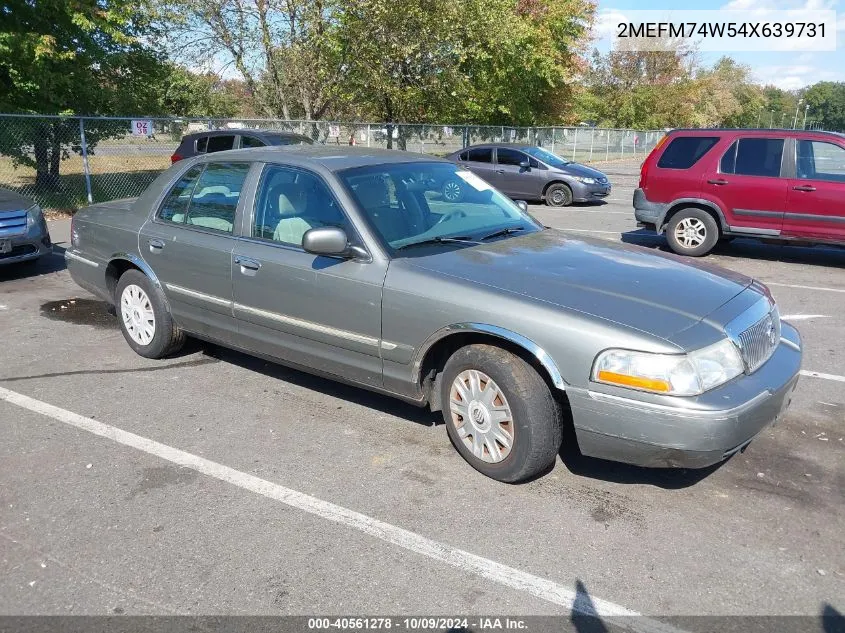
x: 480, y: 162
x: 189, y: 242
x: 319, y: 312
x: 816, y: 203
x: 749, y: 184
x: 513, y: 179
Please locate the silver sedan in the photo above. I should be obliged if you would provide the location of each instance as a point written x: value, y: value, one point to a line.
x: 24, y: 236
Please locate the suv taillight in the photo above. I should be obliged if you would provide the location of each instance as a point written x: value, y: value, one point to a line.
x: 175, y: 158
x: 652, y: 155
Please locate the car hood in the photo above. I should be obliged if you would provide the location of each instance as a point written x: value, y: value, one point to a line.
x: 11, y: 201
x: 577, y: 169
x: 650, y: 291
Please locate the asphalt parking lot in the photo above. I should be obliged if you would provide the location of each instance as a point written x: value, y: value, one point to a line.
x: 215, y: 483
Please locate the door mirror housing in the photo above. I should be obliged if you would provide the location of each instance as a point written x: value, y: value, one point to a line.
x: 525, y: 165
x: 522, y: 204
x: 330, y: 241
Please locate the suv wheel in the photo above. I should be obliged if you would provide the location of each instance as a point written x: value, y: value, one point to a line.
x: 500, y: 414
x: 692, y: 232
x: 559, y: 195
x: 144, y: 320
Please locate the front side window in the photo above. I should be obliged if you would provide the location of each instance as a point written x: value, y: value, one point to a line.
x: 215, y: 196
x: 820, y: 160
x: 505, y: 156
x: 290, y: 202
x: 405, y: 204
x: 251, y: 141
x: 753, y: 157
x: 683, y: 152
x: 175, y: 205
x: 481, y: 155
x: 220, y: 143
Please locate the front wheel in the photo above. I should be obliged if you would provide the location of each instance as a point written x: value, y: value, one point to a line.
x: 692, y: 232
x: 500, y: 414
x: 144, y: 319
x: 559, y: 195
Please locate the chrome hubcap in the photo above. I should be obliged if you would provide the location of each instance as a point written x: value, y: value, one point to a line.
x: 690, y: 232
x: 452, y: 191
x: 137, y: 313
x: 482, y: 416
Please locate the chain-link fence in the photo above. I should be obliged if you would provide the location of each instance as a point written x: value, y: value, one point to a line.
x: 66, y: 162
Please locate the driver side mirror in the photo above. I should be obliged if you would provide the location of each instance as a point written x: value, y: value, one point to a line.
x: 522, y: 204
x: 525, y: 165
x: 331, y: 241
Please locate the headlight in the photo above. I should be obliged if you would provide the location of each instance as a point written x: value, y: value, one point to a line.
x: 673, y: 374
x: 585, y: 180
x: 34, y: 216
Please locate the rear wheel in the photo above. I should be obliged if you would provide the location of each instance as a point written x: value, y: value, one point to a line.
x: 144, y: 319
x: 500, y: 414
x: 692, y: 232
x: 559, y: 195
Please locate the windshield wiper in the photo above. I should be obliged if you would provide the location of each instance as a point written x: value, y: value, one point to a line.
x: 460, y: 239
x: 500, y: 233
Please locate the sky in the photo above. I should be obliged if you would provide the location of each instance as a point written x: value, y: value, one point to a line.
x: 787, y: 70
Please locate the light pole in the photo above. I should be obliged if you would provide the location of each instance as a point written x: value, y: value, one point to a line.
x: 782, y: 119
x: 795, y: 118
x: 806, y: 109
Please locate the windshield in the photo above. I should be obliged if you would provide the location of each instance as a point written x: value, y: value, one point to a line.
x: 409, y: 203
x: 546, y: 156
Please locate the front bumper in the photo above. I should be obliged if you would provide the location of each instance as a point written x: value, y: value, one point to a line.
x: 32, y: 245
x: 646, y: 434
x: 586, y: 193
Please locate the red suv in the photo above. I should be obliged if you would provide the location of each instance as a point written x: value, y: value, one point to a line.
x: 702, y: 186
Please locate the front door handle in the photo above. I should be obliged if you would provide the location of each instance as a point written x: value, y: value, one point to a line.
x: 155, y: 244
x: 247, y: 263
x: 717, y: 181
x: 500, y: 171
x: 804, y: 188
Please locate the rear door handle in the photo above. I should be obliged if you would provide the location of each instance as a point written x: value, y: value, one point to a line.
x: 804, y: 188
x: 500, y: 171
x: 717, y: 181
x: 247, y: 263
x: 155, y: 244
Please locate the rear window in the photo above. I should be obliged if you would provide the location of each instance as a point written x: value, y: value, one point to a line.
x: 202, y: 142
x: 685, y: 151
x: 753, y: 157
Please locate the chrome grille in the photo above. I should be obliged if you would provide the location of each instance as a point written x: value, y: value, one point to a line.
x: 759, y: 341
x: 12, y: 223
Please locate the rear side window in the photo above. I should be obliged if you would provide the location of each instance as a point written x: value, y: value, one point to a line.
x: 463, y: 156
x: 481, y: 155
x: 216, y: 196
x: 753, y: 157
x: 175, y: 205
x: 202, y: 143
x: 220, y: 143
x: 685, y: 151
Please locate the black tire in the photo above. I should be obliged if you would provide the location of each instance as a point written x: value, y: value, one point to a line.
x: 168, y: 338
x: 559, y: 195
x: 536, y: 419
x: 705, y: 226
x: 453, y: 190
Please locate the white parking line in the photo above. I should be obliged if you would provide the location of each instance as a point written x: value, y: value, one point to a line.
x: 818, y: 374
x: 774, y: 283
x: 803, y: 317
x: 519, y: 580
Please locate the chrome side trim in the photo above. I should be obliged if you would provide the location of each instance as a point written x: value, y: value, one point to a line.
x: 527, y: 344
x: 310, y: 325
x: 753, y: 231
x: 80, y: 259
x: 718, y: 414
x: 387, y: 345
x: 198, y: 295
x: 790, y: 344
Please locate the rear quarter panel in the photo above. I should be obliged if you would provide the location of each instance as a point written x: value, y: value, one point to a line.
x: 667, y: 185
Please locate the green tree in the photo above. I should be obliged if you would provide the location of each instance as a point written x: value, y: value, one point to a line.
x: 727, y: 96
x: 827, y: 105
x: 58, y: 57
x: 189, y: 94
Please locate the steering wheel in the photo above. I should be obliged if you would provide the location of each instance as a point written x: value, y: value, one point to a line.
x: 446, y: 217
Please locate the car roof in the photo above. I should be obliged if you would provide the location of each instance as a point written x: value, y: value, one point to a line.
x: 333, y: 158
x: 755, y: 132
